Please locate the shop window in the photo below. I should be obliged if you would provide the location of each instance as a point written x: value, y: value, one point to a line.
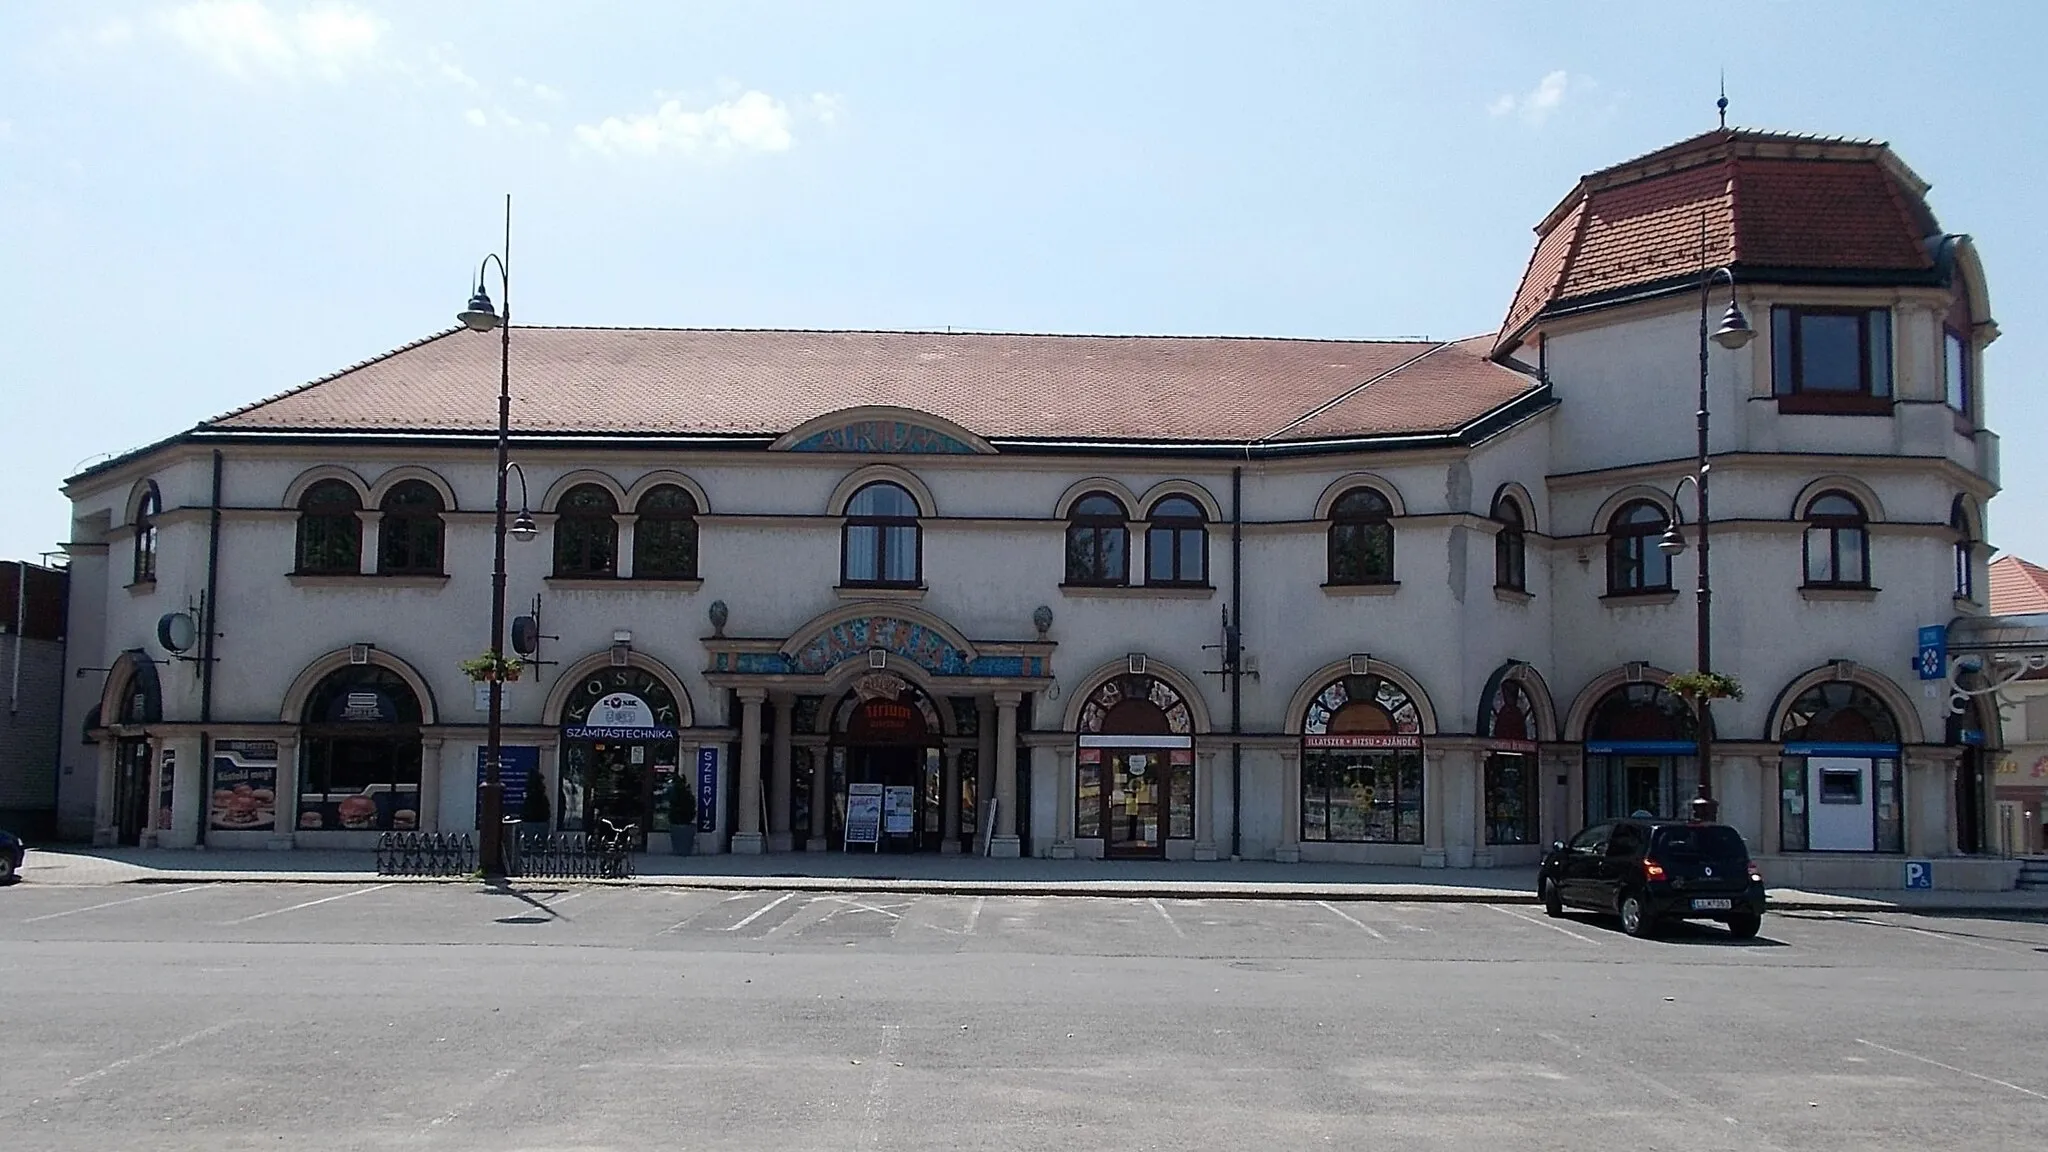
x: 1837, y: 543
x: 665, y: 535
x: 330, y: 531
x: 881, y: 543
x: 1177, y: 544
x: 1965, y: 549
x: 1098, y: 542
x: 1510, y: 547
x: 1641, y: 758
x: 1134, y: 783
x: 587, y: 533
x: 619, y: 752
x: 409, y: 533
x: 1513, y: 785
x: 146, y: 512
x: 1361, y: 764
x: 1832, y: 359
x: 1635, y: 564
x: 361, y: 766
x: 1840, y: 786
x: 1362, y: 538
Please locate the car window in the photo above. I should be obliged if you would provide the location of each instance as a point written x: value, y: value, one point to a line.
x: 1627, y: 841
x: 1593, y: 839
x: 1715, y: 843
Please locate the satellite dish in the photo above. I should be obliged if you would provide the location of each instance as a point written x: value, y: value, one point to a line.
x: 177, y: 632
x: 525, y: 635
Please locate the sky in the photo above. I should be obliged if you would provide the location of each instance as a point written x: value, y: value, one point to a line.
x: 204, y: 202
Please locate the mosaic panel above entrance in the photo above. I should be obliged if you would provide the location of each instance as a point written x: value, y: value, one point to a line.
x: 883, y: 436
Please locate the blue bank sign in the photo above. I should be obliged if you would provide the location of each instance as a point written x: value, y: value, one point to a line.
x: 1932, y: 660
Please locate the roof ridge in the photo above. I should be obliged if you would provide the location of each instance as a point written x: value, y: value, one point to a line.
x: 927, y: 332
x: 1347, y: 394
x: 335, y: 375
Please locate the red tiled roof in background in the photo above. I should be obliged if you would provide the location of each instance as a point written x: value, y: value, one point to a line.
x: 1766, y: 200
x: 572, y: 381
x: 2017, y: 587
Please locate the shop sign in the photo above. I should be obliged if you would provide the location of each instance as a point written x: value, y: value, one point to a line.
x: 864, y: 814
x: 364, y: 708
x: 514, y: 762
x: 620, y: 710
x: 1525, y: 747
x: 244, y: 786
x: 1357, y: 740
x: 589, y: 732
x: 899, y: 810
x: 707, y: 789
x: 1931, y: 661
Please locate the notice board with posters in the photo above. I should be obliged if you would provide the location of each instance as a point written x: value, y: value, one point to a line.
x: 899, y: 810
x: 864, y: 815
x: 515, y: 761
x: 244, y: 786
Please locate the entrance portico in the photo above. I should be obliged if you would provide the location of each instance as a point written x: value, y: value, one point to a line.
x: 901, y: 698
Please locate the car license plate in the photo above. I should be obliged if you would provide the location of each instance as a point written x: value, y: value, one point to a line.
x: 1704, y: 905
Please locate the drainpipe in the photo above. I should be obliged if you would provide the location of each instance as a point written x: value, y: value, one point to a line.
x: 1235, y: 655
x: 206, y: 652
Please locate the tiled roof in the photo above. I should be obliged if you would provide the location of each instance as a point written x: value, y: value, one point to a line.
x: 588, y: 381
x: 2017, y: 587
x: 1759, y: 200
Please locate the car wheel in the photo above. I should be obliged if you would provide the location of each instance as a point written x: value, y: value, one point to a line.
x: 7, y: 875
x: 1744, y: 925
x: 1553, y: 904
x: 1634, y: 920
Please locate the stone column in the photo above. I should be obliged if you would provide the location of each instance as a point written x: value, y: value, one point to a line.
x: 747, y: 839
x: 1433, y: 854
x: 984, y: 768
x: 106, y: 828
x: 430, y: 784
x: 1205, y: 805
x: 1289, y: 850
x: 821, y: 800
x: 623, y: 564
x: 368, y: 538
x: 779, y: 796
x: 1005, y: 843
x: 949, y: 804
x: 1064, y: 781
x: 1482, y: 851
x: 287, y: 791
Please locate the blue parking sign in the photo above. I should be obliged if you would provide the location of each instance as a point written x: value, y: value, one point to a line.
x: 1919, y: 873
x: 1932, y: 660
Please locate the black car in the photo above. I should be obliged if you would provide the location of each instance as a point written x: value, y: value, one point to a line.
x: 1648, y: 871
x: 11, y: 850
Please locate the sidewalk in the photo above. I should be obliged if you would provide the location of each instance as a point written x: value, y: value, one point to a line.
x: 971, y: 876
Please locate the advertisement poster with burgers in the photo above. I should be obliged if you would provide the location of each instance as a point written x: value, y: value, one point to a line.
x: 244, y: 786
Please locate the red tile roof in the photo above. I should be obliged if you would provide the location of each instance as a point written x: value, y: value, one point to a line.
x: 2017, y: 587
x: 1759, y: 200
x: 571, y: 381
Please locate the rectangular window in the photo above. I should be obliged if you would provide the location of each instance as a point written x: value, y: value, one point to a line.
x: 1088, y: 799
x: 1362, y: 797
x: 1832, y: 359
x: 1511, y: 798
x: 1956, y: 370
x: 1624, y: 785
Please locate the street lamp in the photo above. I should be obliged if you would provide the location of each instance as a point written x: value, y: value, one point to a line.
x: 1733, y: 333
x: 480, y: 316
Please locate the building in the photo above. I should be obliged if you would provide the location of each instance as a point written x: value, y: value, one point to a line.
x: 1379, y: 601
x: 2020, y: 796
x: 32, y: 621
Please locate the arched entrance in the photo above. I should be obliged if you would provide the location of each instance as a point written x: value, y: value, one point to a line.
x: 1642, y: 754
x: 139, y: 702
x: 1135, y: 767
x: 360, y: 753
x: 1361, y: 764
x: 887, y: 733
x: 1840, y: 786
x: 619, y: 748
x: 1512, y: 780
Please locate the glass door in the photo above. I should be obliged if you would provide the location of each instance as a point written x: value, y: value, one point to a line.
x: 131, y: 791
x: 1131, y: 824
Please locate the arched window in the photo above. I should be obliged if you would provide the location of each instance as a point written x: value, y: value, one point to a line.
x: 1837, y: 543
x: 1135, y: 767
x: 146, y: 512
x: 881, y: 543
x: 1642, y: 746
x: 1839, y: 781
x: 360, y: 769
x: 410, y: 531
x: 1177, y: 544
x: 1510, y: 547
x: 665, y: 535
x: 587, y: 533
x: 1966, y: 549
x: 1634, y: 562
x: 1098, y: 542
x: 1361, y: 538
x: 330, y: 532
x: 619, y: 751
x: 1361, y: 764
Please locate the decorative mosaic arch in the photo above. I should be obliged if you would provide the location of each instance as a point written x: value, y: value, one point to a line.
x: 1150, y: 689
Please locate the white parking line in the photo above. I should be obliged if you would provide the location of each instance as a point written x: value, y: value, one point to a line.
x: 307, y: 904
x: 763, y: 910
x: 1161, y: 909
x: 1953, y: 1068
x: 153, y: 1053
x: 1340, y: 914
x: 1542, y: 923
x: 110, y: 904
x: 974, y: 915
x: 1947, y: 936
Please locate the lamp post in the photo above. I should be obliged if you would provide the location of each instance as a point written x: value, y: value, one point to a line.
x: 1733, y: 333
x: 481, y: 317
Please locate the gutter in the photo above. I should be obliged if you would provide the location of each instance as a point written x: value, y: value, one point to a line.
x: 206, y: 660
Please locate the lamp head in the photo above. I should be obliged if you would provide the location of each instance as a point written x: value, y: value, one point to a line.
x: 1734, y: 331
x: 1673, y: 541
x: 480, y: 316
x: 523, y: 527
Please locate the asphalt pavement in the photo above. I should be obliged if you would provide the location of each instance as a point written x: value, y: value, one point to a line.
x: 431, y: 1016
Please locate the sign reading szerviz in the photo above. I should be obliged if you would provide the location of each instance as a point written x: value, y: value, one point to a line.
x: 1358, y: 740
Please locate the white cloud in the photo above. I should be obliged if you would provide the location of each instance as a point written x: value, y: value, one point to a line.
x: 476, y: 116
x: 537, y: 91
x: 247, y: 40
x: 752, y: 121
x: 1539, y: 103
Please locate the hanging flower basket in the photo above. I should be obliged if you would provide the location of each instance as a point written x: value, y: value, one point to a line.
x: 1694, y: 687
x: 487, y: 667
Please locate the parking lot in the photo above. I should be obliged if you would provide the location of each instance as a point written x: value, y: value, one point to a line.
x: 408, y: 1014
